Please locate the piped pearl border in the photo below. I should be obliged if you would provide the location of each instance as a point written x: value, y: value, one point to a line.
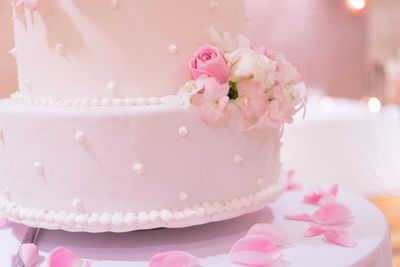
x: 26, y: 100
x: 124, y: 222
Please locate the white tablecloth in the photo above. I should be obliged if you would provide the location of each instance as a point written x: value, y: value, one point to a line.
x: 212, y: 242
x: 346, y: 143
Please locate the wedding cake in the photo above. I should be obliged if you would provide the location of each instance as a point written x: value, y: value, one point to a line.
x: 141, y: 114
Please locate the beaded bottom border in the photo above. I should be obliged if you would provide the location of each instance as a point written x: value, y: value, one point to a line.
x: 125, y: 222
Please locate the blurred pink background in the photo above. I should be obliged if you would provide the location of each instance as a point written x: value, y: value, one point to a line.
x: 324, y: 40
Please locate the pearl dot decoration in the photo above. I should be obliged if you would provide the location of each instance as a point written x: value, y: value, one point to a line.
x: 115, y: 4
x: 183, y: 131
x: 173, y: 49
x: 77, y: 204
x: 213, y: 5
x: 237, y: 159
x: 138, y: 169
x: 60, y: 49
x: 80, y: 137
x: 111, y: 88
x: 38, y: 168
x: 183, y: 196
x: 13, y: 52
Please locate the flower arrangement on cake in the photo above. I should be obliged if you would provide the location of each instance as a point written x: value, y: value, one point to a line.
x: 266, y: 87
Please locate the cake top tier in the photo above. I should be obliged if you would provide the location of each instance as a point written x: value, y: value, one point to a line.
x: 114, y: 49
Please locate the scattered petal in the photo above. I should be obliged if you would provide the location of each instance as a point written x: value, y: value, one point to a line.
x: 315, y: 230
x: 28, y: 253
x: 332, y: 213
x: 173, y: 258
x: 339, y: 237
x: 62, y: 257
x: 320, y: 196
x: 255, y: 250
x: 272, y: 233
x: 292, y: 184
x: 300, y: 217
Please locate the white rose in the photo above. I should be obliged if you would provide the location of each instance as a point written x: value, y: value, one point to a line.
x: 247, y: 64
x: 295, y: 93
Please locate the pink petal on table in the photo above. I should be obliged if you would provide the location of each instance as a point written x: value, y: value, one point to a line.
x: 315, y: 230
x: 173, y: 258
x: 4, y: 223
x: 320, y: 196
x: 272, y: 233
x: 300, y: 217
x: 62, y: 257
x: 339, y: 237
x: 255, y: 250
x: 29, y: 254
x: 292, y: 184
x: 332, y: 213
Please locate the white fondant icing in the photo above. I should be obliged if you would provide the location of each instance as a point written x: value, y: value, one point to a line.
x: 60, y: 49
x: 237, y: 159
x: 183, y: 196
x: 13, y: 52
x: 106, y: 219
x: 138, y: 169
x: 143, y: 218
x: 27, y: 86
x: 173, y: 49
x: 1, y: 135
x: 94, y: 219
x: 38, y: 168
x: 80, y: 137
x: 183, y: 131
x: 130, y: 219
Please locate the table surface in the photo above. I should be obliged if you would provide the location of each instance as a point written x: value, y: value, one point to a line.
x: 212, y: 242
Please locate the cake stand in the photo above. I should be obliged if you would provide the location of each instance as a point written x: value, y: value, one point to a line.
x: 212, y: 242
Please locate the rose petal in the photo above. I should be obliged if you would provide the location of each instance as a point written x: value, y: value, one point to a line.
x: 272, y: 233
x: 4, y: 223
x: 173, y: 258
x: 62, y: 257
x: 28, y: 253
x: 292, y: 184
x: 300, y: 217
x: 315, y: 230
x: 332, y: 213
x: 320, y: 196
x: 339, y: 237
x: 255, y: 250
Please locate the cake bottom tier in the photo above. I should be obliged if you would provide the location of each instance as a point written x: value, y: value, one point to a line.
x: 97, y: 169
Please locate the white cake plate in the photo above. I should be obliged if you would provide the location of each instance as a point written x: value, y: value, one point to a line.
x: 212, y: 242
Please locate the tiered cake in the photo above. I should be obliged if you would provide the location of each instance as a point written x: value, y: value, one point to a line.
x: 141, y: 114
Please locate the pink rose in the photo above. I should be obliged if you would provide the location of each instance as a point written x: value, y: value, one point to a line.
x: 211, y: 61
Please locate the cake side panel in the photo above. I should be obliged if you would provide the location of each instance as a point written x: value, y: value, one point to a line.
x: 130, y: 160
x: 74, y: 49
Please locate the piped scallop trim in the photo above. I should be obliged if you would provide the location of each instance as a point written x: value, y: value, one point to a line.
x: 24, y: 99
x: 129, y: 221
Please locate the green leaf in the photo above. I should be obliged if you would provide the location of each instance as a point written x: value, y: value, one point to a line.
x: 233, y: 91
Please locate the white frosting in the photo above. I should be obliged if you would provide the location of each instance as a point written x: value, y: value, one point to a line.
x: 199, y: 165
x: 98, y: 50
